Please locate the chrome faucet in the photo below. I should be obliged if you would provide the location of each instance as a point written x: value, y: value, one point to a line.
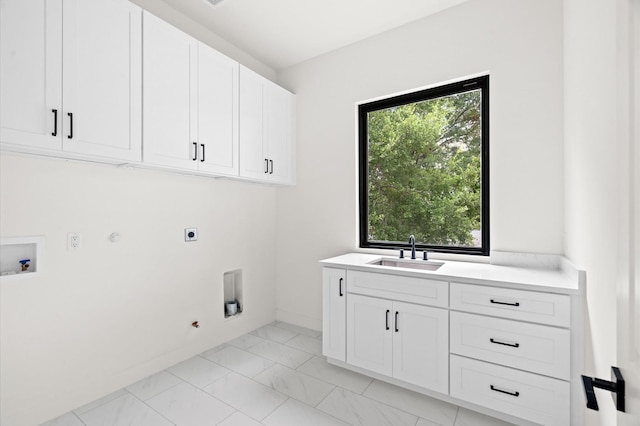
x: 412, y: 241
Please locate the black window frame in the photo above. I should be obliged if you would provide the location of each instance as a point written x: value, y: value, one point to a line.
x: 482, y: 83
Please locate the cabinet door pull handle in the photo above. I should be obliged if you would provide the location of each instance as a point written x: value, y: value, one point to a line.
x: 55, y: 122
x: 70, y: 114
x: 397, y: 322
x: 202, y: 159
x: 266, y: 165
x: 497, y: 342
x: 340, y: 287
x: 495, y: 389
x: 271, y: 162
x: 387, y: 323
x: 195, y: 151
x: 505, y: 303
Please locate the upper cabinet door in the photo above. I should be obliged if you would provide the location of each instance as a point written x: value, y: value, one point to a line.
x: 254, y: 163
x: 280, y: 124
x: 267, y: 130
x: 102, y: 78
x: 170, y: 93
x: 31, y: 73
x: 217, y: 112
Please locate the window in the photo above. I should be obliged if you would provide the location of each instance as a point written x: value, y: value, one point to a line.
x: 424, y: 169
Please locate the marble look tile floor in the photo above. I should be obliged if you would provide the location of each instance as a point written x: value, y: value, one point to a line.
x: 273, y: 376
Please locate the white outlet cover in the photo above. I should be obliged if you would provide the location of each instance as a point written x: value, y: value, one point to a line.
x: 190, y: 234
x: 74, y: 241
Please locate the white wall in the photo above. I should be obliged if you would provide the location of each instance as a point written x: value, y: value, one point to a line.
x: 112, y: 313
x: 519, y: 43
x: 596, y: 175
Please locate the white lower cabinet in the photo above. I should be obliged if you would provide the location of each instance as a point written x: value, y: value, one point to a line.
x: 486, y: 347
x: 402, y: 340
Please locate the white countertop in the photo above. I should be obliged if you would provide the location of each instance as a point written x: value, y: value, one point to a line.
x: 565, y: 279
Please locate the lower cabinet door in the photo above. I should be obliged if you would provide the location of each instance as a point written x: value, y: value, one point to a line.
x: 525, y: 395
x: 334, y: 313
x: 421, y: 346
x: 369, y: 335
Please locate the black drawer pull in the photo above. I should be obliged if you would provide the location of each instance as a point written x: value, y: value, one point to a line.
x: 70, y: 136
x: 55, y: 122
x: 266, y: 165
x: 387, y: 320
x: 397, y: 322
x: 202, y: 159
x: 495, y: 389
x: 195, y: 151
x: 340, y: 293
x: 505, y: 303
x: 497, y: 342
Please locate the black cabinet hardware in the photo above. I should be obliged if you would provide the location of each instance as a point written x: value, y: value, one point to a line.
x: 195, y: 151
x: 397, y: 322
x: 55, y: 122
x: 495, y: 389
x: 271, y: 163
x: 387, y: 320
x: 497, y: 342
x: 616, y: 386
x: 202, y: 159
x: 505, y: 303
x: 340, y: 287
x: 266, y: 165
x: 70, y: 114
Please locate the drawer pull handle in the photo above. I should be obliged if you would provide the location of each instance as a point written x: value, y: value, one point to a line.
x: 55, y: 122
x: 340, y: 293
x: 497, y: 342
x: 505, y: 303
x: 397, y: 322
x: 70, y: 136
x: 387, y: 320
x: 495, y: 389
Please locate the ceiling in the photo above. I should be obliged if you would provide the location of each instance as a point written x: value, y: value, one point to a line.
x: 281, y: 33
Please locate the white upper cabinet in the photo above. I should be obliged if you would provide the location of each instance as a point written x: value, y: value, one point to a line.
x: 267, y: 130
x: 31, y: 73
x: 190, y: 102
x: 71, y: 77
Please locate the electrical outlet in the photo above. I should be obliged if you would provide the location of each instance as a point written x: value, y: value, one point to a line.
x: 191, y: 234
x: 74, y: 241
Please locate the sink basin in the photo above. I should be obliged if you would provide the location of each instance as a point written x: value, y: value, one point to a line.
x: 425, y: 265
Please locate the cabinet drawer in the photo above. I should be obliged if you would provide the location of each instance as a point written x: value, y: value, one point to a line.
x: 406, y: 289
x: 532, y: 347
x: 523, y: 305
x: 526, y: 395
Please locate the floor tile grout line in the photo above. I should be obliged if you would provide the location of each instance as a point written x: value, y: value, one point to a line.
x: 231, y: 414
x: 455, y: 419
x: 287, y: 397
x: 159, y: 413
x: 77, y: 417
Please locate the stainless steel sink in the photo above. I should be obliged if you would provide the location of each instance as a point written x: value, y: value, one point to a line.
x: 425, y: 265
